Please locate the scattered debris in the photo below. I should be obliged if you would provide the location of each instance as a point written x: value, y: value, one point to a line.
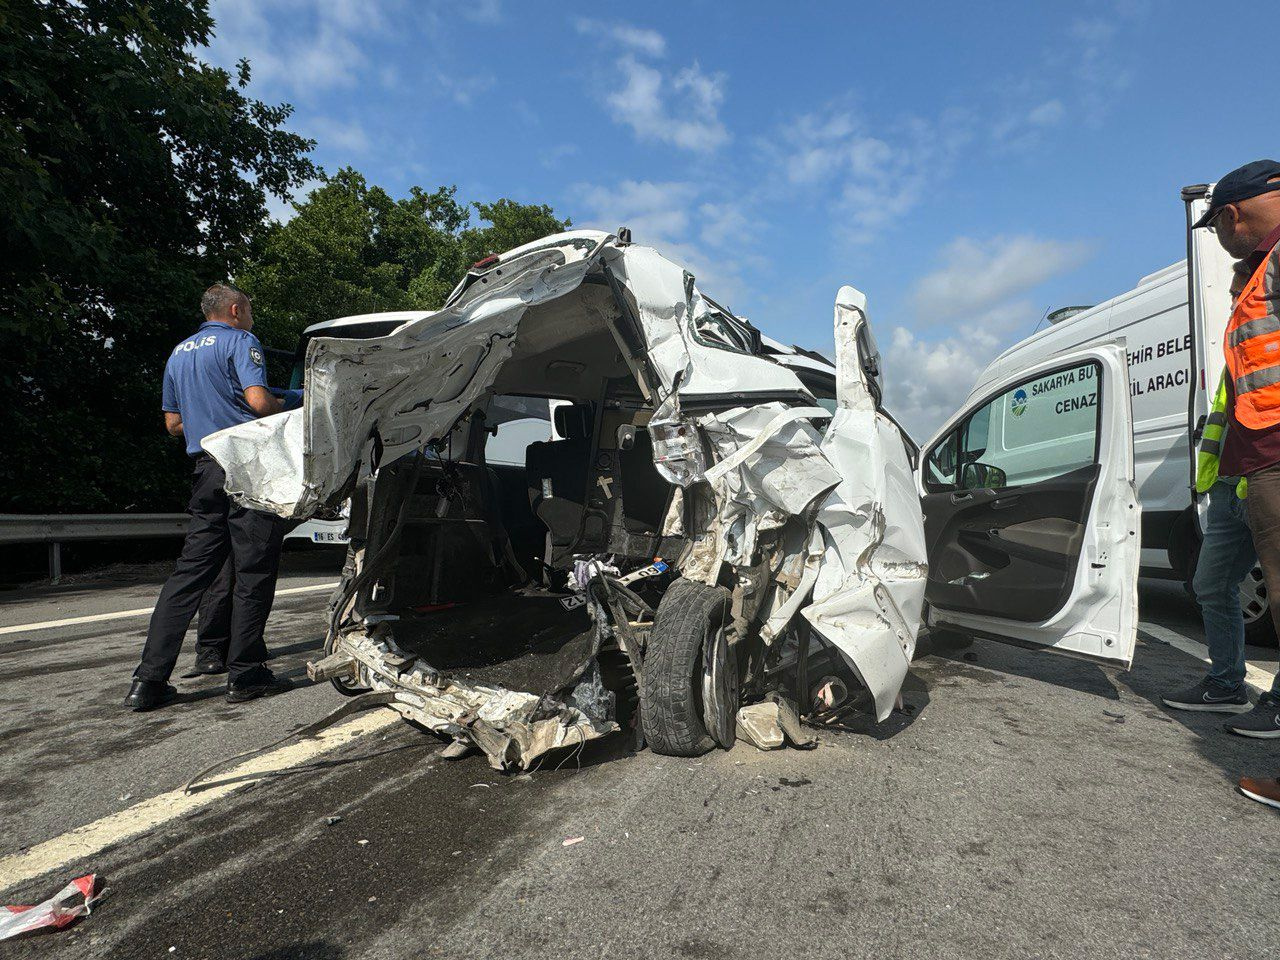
x: 363, y: 843
x: 569, y: 842
x: 336, y: 818
x: 457, y: 750
x: 771, y: 724
x: 830, y: 693
x: 74, y: 900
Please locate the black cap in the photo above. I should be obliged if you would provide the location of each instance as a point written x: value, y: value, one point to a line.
x: 1251, y: 180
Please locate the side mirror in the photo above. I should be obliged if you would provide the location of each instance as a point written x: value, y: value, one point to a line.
x: 982, y: 476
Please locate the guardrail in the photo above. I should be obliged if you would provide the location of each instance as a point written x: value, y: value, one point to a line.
x: 55, y: 529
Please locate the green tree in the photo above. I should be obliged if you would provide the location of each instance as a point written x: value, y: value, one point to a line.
x: 350, y: 248
x: 132, y: 175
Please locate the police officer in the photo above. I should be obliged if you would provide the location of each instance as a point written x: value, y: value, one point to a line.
x: 215, y: 379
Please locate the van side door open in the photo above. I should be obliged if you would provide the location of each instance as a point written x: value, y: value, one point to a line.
x: 1031, y: 512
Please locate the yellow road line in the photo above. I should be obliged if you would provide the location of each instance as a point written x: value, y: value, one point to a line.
x: 84, y: 843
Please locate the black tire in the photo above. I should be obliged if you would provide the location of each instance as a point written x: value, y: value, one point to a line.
x: 345, y: 687
x: 671, y: 696
x: 1259, y: 628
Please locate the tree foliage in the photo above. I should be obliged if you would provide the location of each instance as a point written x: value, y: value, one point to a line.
x: 350, y: 249
x: 132, y: 175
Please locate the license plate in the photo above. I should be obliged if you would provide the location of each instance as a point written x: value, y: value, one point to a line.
x: 327, y: 536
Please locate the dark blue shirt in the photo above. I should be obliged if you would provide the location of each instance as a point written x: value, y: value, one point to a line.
x: 205, y: 380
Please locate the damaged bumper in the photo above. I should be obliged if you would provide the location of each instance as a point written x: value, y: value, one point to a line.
x: 512, y: 728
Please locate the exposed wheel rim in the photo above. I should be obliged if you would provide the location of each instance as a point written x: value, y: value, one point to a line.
x: 1253, y: 596
x: 719, y: 685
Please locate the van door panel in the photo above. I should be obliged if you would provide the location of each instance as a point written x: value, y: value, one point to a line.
x: 1031, y: 512
x: 1008, y: 552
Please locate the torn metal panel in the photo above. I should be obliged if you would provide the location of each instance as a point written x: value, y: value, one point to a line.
x: 769, y: 469
x: 758, y: 499
x: 869, y: 593
x: 407, y: 389
x: 512, y: 728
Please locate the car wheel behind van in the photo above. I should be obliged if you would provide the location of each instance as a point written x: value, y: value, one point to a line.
x: 1259, y: 628
x: 690, y: 621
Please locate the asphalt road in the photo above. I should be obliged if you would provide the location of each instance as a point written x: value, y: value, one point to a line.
x: 1023, y: 805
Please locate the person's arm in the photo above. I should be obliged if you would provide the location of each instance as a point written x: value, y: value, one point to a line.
x: 261, y: 402
x: 251, y: 370
x: 169, y: 404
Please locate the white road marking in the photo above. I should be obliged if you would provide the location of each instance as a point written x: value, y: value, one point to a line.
x: 140, y: 612
x: 83, y: 843
x: 1255, y: 677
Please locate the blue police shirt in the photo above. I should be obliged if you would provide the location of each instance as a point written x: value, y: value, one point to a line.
x: 205, y: 379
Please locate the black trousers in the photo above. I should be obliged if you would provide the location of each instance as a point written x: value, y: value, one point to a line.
x: 218, y: 530
x: 213, y: 627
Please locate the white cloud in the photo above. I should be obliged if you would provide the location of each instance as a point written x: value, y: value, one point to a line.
x: 657, y: 213
x: 639, y: 39
x: 661, y: 215
x: 463, y: 90
x: 481, y: 11
x: 307, y: 48
x: 681, y: 109
x: 338, y: 136
x: 966, y: 312
x: 552, y: 157
x: 977, y: 275
x: 722, y: 224
x: 1100, y: 69
x: 875, y: 176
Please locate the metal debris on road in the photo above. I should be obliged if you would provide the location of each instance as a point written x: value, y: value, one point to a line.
x: 571, y: 841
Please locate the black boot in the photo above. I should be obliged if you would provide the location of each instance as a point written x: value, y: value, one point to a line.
x: 258, y: 686
x: 209, y: 663
x: 148, y: 694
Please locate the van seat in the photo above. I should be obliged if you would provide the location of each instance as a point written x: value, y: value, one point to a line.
x: 557, y: 473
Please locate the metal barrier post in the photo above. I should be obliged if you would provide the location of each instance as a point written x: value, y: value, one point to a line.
x: 55, y: 562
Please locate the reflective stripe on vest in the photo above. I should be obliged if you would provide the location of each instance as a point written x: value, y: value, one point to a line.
x: 1207, y: 457
x: 1252, y: 347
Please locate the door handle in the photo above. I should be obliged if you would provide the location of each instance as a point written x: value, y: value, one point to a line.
x: 961, y: 497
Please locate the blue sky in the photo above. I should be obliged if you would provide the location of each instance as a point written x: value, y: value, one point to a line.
x: 966, y: 170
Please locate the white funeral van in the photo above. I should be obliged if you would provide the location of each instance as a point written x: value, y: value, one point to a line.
x: 1172, y: 324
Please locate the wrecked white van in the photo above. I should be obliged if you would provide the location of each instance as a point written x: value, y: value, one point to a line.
x: 705, y: 504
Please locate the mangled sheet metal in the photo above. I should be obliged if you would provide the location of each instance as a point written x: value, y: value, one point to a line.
x: 868, y: 597
x: 512, y: 728
x: 821, y: 507
x: 399, y: 392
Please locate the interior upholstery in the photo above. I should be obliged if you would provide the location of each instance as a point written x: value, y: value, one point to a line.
x: 556, y: 472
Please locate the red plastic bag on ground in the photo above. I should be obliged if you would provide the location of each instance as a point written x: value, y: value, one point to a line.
x: 72, y: 901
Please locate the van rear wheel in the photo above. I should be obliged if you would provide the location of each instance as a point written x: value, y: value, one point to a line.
x: 1259, y: 629
x: 688, y: 628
